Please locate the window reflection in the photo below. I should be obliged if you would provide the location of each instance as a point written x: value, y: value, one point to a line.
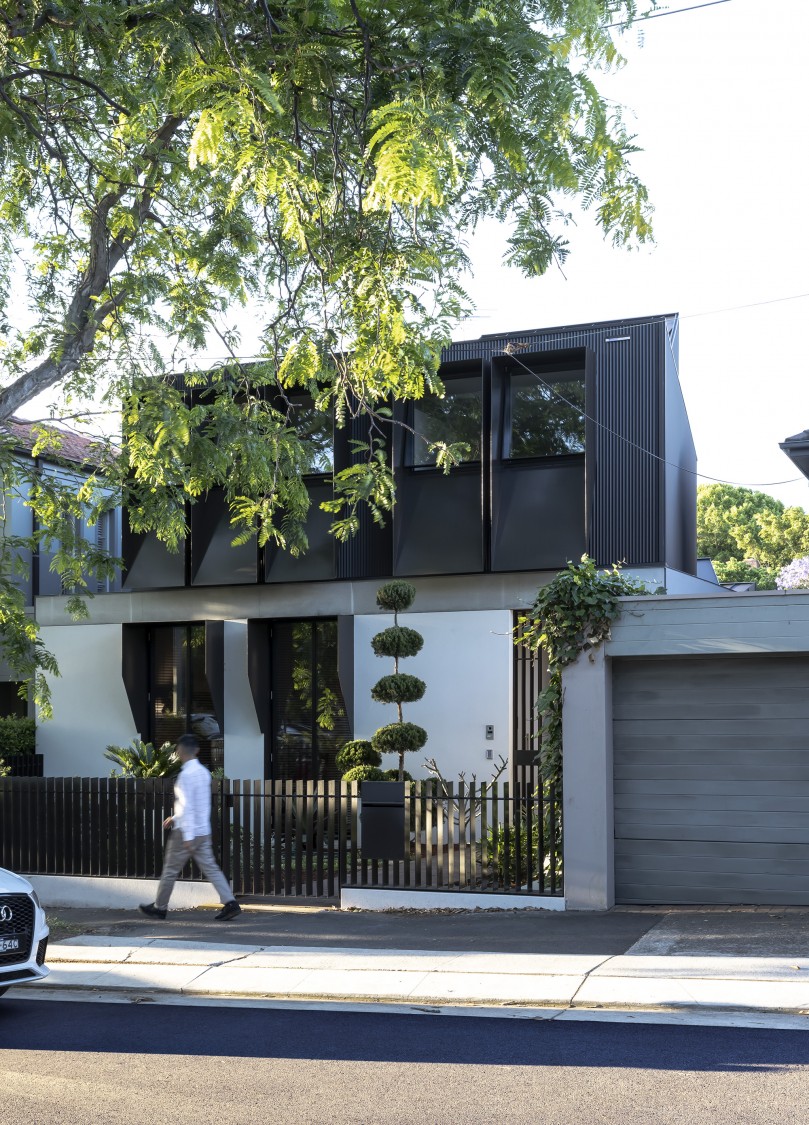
x: 457, y: 417
x: 181, y: 698
x: 546, y: 414
x: 315, y: 427
x: 309, y: 716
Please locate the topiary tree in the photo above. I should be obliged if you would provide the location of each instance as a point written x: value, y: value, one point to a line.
x: 358, y: 761
x: 398, y: 642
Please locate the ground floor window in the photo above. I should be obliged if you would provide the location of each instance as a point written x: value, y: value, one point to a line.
x: 309, y: 720
x: 10, y: 701
x: 180, y: 697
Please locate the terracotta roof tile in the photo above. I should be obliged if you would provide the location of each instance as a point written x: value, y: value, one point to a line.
x: 67, y: 444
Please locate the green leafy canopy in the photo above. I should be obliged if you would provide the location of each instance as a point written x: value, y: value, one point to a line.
x: 749, y: 536
x: 321, y: 162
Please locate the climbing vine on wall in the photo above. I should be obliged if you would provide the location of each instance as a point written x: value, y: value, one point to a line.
x: 572, y: 614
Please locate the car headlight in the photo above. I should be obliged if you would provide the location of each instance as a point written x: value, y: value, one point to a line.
x: 35, y: 897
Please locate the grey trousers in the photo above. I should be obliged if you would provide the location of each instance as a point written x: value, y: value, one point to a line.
x: 178, y: 853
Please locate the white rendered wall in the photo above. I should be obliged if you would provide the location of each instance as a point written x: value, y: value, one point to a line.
x: 466, y: 663
x: 90, y: 705
x: 244, y: 742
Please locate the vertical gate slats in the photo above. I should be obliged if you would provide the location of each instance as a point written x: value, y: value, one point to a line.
x: 289, y: 814
x: 308, y: 803
x: 299, y: 838
x: 342, y: 821
x: 449, y: 832
x: 320, y: 836
x: 463, y: 843
x: 355, y: 834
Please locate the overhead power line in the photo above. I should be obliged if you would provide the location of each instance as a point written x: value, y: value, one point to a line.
x: 659, y: 15
x: 648, y: 452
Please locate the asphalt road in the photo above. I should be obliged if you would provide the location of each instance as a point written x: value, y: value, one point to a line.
x: 71, y: 1063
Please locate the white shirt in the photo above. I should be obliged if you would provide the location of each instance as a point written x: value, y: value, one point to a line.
x: 192, y: 800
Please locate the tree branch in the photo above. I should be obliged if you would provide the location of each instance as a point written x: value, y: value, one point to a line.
x: 85, y: 313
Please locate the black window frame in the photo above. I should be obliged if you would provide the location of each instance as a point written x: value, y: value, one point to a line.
x: 572, y: 371
x: 471, y: 464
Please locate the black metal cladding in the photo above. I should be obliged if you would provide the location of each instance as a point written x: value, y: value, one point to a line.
x: 625, y: 439
x: 618, y: 500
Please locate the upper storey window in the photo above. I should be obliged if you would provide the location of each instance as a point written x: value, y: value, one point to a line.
x: 457, y: 417
x: 545, y: 414
x: 316, y: 429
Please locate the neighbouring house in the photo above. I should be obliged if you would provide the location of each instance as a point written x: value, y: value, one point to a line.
x: 579, y: 442
x: 69, y: 456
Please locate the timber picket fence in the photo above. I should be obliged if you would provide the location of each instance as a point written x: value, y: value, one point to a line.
x: 289, y: 838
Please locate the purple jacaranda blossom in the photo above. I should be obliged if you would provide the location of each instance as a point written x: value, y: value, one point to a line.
x: 794, y: 576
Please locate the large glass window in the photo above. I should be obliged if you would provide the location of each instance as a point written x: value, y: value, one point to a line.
x: 457, y: 417
x: 181, y: 700
x: 545, y: 416
x: 309, y: 716
x: 317, y: 430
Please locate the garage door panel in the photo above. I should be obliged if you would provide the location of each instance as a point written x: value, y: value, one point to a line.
x: 697, y: 676
x: 702, y: 732
x: 709, y: 833
x: 775, y: 765
x: 693, y: 852
x: 711, y: 782
x: 791, y: 704
x: 679, y: 786
x: 694, y: 804
x: 672, y: 895
x: 710, y: 868
x: 658, y: 740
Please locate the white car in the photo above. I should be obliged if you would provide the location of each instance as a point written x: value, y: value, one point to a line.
x: 23, y: 932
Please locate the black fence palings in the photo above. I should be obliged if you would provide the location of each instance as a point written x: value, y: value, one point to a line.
x: 301, y: 839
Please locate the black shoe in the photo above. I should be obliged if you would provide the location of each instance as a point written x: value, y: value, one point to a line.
x: 228, y: 911
x: 152, y: 910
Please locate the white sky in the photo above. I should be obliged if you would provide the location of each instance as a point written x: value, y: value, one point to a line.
x: 718, y: 101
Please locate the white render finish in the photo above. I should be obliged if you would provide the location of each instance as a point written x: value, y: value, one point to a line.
x: 448, y: 593
x: 466, y: 663
x: 378, y: 898
x: 588, y: 801
x: 244, y: 742
x: 90, y: 705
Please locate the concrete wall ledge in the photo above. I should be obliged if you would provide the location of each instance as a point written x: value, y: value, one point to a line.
x: 115, y: 894
x: 374, y: 898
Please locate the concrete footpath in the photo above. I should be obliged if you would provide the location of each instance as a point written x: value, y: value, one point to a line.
x: 679, y: 960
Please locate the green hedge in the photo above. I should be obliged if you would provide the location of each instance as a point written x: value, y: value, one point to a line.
x: 17, y: 736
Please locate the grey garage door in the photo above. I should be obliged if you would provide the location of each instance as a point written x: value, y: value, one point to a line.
x: 711, y: 758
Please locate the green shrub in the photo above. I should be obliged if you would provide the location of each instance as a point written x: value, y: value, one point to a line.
x: 4, y: 769
x: 397, y: 641
x: 393, y: 775
x: 399, y: 738
x: 503, y: 859
x: 395, y: 596
x: 365, y: 773
x: 398, y: 688
x: 17, y: 736
x: 142, y: 760
x: 357, y: 753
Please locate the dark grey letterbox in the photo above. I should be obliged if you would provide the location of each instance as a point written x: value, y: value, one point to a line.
x: 382, y: 817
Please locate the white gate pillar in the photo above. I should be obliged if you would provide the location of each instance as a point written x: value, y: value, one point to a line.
x: 589, y: 844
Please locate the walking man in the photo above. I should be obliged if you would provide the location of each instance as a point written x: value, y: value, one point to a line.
x: 191, y: 834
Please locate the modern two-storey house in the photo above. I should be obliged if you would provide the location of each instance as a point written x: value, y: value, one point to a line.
x: 578, y: 442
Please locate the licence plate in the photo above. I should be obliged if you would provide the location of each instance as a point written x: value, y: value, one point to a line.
x: 7, y: 944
